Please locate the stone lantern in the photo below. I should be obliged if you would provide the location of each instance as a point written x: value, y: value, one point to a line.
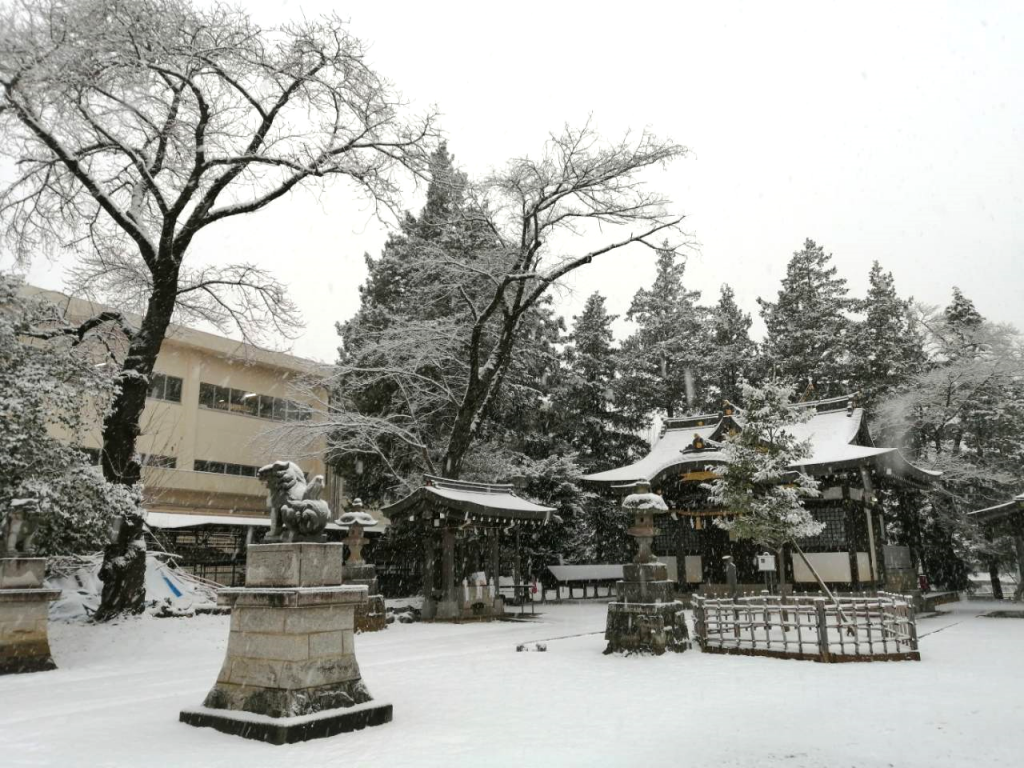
x: 646, y: 618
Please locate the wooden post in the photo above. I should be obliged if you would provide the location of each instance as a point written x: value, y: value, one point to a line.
x: 869, y: 492
x: 911, y: 625
x: 494, y: 566
x: 429, y: 557
x: 448, y: 564
x: 700, y: 622
x: 1018, y: 543
x: 819, y: 612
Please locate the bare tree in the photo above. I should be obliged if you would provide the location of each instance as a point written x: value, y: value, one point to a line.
x: 469, y: 284
x: 133, y: 125
x: 136, y: 124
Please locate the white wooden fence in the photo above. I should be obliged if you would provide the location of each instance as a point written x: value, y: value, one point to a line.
x: 879, y: 627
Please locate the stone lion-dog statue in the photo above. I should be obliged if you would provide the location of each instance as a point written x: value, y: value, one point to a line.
x: 296, y: 510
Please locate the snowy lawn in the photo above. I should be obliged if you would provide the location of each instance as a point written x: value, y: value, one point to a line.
x: 463, y: 696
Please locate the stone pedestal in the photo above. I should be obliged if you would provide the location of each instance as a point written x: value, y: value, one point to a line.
x: 290, y: 673
x: 372, y: 615
x: 646, y: 618
x: 477, y: 602
x: 24, y: 607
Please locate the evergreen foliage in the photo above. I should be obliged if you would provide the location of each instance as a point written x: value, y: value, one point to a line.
x: 962, y: 414
x: 809, y: 330
x: 52, y: 383
x: 733, y: 356
x: 764, y: 495
x: 664, y: 363
x: 887, y: 345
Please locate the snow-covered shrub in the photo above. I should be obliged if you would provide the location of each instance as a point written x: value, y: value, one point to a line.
x: 53, y: 381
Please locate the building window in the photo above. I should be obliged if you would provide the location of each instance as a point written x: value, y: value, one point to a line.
x: 251, y: 404
x: 163, y: 387
x: 225, y: 468
x: 161, y: 462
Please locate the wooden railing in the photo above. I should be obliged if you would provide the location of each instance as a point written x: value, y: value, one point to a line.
x: 879, y: 627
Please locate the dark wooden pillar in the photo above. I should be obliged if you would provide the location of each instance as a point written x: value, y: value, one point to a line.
x: 869, y: 526
x: 494, y: 566
x: 1018, y: 544
x: 429, y: 558
x: 448, y: 564
x: 853, y: 523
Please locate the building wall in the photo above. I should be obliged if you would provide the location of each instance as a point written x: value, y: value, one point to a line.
x: 189, y: 433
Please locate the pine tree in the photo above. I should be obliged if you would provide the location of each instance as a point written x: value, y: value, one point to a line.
x: 733, y: 356
x: 809, y: 331
x: 588, y: 420
x: 599, y: 433
x: 756, y: 482
x: 888, y: 350
x: 664, y: 363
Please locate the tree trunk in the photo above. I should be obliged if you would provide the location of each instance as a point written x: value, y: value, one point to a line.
x: 993, y: 574
x: 124, y: 560
x: 123, y: 572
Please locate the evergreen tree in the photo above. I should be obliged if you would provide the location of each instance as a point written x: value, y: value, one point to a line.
x: 395, y: 329
x: 963, y: 414
x: 664, y: 363
x: 599, y: 433
x: 733, y: 355
x: 756, y: 482
x: 888, y: 350
x: 588, y: 421
x: 809, y: 331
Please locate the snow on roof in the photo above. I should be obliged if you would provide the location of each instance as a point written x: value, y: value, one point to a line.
x: 486, y: 499
x: 168, y: 520
x: 1000, y: 510
x: 565, y: 573
x: 832, y: 432
x: 667, y: 452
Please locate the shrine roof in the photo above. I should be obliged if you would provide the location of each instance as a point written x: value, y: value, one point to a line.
x: 1016, y: 504
x: 492, y: 500
x: 837, y: 435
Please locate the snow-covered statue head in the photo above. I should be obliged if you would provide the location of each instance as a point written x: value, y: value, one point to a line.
x: 295, y: 506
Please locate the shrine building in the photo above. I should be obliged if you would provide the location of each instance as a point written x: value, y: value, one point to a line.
x: 851, y: 552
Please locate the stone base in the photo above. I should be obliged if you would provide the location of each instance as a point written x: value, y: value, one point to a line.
x: 290, y: 672
x: 646, y: 628
x: 22, y: 572
x: 291, y: 652
x: 289, y: 730
x: 473, y: 609
x: 24, y: 616
x: 371, y: 616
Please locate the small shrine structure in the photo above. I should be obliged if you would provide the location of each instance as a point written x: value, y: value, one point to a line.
x: 851, y: 552
x: 1007, y: 519
x: 462, y: 523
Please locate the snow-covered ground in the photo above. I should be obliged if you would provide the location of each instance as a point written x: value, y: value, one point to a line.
x: 463, y: 696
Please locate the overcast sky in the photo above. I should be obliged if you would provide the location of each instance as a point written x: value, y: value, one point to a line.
x: 889, y: 131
